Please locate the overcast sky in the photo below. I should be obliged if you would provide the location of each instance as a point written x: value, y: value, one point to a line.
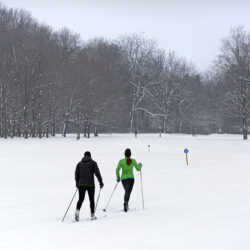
x: 193, y: 28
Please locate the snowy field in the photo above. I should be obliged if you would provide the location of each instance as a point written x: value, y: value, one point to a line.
x: 203, y: 206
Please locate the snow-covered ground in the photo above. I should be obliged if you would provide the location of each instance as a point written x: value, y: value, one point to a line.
x: 203, y: 206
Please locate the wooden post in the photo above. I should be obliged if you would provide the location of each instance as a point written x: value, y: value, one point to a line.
x: 186, y: 152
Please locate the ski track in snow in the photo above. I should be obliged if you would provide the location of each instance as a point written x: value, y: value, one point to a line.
x: 203, y: 206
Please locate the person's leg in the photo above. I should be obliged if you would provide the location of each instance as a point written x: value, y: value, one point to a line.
x: 82, y: 191
x: 91, y: 192
x: 128, y: 187
x: 125, y: 186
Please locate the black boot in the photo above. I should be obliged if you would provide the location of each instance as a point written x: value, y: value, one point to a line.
x: 125, y: 206
x: 77, y: 213
x: 93, y: 217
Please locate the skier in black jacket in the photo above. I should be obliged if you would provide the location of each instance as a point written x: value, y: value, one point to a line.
x: 84, y: 177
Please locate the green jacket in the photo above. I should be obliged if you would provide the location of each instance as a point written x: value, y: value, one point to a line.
x: 127, y: 170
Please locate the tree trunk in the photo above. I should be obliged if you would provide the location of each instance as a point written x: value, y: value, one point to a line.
x: 78, y: 131
x: 53, y: 129
x: 40, y: 126
x: 244, y: 126
x: 25, y: 118
x: 65, y: 127
x: 40, y: 135
x: 47, y: 130
x: 85, y: 130
x: 3, y: 113
x: 33, y: 123
x: 96, y: 131
x: 165, y: 124
x: 132, y: 113
x: 131, y: 122
x: 13, y: 126
x: 180, y: 127
x: 19, y: 127
x: 53, y: 125
x: 244, y: 108
x: 88, y: 130
x: 5, y: 125
x: 33, y: 133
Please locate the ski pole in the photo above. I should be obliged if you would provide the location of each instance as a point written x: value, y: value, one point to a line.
x: 98, y: 199
x: 110, y: 197
x: 142, y: 190
x: 69, y: 205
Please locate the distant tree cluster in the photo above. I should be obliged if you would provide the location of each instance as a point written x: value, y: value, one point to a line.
x: 230, y: 82
x: 53, y: 82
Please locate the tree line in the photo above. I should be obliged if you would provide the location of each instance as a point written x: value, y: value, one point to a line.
x: 54, y: 82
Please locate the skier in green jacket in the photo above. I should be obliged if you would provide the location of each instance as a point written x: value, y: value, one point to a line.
x: 127, y: 164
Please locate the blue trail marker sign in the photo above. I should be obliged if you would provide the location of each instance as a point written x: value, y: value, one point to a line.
x: 186, y: 152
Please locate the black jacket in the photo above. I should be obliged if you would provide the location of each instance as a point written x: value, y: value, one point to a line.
x: 85, y: 170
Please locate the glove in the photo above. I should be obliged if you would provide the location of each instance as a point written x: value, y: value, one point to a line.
x: 140, y: 164
x: 118, y: 179
x: 101, y: 185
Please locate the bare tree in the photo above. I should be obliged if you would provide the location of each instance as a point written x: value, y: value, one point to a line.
x: 137, y: 51
x: 234, y: 66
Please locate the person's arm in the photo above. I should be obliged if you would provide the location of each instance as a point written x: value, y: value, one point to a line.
x: 118, y: 170
x: 137, y: 167
x: 97, y: 173
x: 77, y: 174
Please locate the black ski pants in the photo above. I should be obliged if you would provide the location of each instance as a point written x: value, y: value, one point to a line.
x: 91, y: 192
x: 128, y: 187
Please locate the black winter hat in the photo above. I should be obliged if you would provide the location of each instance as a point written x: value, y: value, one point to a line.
x: 87, y: 153
x: 127, y: 152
